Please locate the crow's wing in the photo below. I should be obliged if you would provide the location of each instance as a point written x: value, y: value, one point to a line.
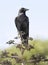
x: 27, y: 28
x: 17, y: 24
x: 22, y: 24
x: 25, y: 25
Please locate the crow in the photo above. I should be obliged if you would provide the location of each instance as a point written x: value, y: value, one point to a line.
x: 22, y: 25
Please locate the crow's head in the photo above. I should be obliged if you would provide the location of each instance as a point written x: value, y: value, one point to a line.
x: 23, y: 10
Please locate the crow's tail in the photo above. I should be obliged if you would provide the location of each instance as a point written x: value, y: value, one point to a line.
x: 24, y: 38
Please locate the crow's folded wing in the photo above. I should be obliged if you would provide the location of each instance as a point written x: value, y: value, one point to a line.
x: 27, y: 25
x: 17, y: 24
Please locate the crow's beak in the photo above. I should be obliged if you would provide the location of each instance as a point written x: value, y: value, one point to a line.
x: 26, y: 9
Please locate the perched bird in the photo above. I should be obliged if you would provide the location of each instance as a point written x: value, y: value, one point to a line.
x: 22, y: 25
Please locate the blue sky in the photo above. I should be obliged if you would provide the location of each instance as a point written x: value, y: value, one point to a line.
x: 38, y: 19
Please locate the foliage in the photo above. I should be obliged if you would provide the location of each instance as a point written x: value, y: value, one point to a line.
x: 35, y: 54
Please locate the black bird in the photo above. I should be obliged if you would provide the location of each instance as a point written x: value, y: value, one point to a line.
x: 22, y: 24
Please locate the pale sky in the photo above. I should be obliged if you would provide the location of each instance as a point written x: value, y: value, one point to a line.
x: 38, y: 19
